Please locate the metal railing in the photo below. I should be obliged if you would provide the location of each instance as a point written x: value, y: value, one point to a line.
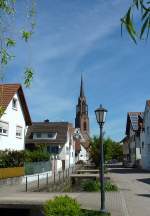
x: 38, y: 182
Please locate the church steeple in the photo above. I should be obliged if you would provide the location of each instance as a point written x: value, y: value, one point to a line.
x: 81, y: 88
x: 82, y: 119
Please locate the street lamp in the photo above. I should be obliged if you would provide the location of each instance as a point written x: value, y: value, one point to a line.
x: 100, y: 117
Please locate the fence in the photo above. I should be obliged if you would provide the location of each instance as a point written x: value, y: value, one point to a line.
x: 37, y: 167
x: 45, y: 180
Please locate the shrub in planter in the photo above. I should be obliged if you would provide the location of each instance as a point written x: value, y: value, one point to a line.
x: 94, y: 186
x: 62, y: 206
x: 109, y: 186
x: 90, y: 186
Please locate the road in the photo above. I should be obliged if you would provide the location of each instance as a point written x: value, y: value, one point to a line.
x: 135, y: 188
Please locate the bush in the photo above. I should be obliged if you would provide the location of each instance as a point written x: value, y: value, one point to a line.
x: 36, y: 156
x: 94, y: 186
x: 10, y: 158
x: 90, y: 186
x: 109, y: 186
x: 62, y: 206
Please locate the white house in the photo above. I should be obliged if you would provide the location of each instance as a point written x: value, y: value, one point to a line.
x: 81, y: 146
x: 145, y: 138
x: 56, y: 137
x: 15, y: 117
x: 134, y: 127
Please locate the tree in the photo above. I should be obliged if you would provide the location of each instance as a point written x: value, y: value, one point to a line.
x: 112, y: 150
x: 7, y: 41
x: 140, y: 30
x: 8, y: 37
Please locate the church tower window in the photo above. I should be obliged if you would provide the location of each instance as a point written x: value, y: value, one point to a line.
x: 84, y: 126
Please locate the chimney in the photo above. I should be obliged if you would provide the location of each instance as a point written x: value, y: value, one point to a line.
x: 46, y: 120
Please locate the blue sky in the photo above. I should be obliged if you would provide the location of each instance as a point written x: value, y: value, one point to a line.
x: 74, y: 37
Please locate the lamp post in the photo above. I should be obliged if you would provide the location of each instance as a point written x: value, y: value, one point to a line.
x: 100, y: 117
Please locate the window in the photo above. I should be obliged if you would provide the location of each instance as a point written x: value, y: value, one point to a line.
x: 84, y: 126
x: 67, y: 150
x: 4, y: 128
x: 142, y: 145
x: 38, y: 135
x: 53, y: 149
x: 50, y: 135
x: 14, y: 103
x: 18, y: 131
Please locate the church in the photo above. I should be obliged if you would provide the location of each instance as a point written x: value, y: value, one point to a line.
x: 82, y: 126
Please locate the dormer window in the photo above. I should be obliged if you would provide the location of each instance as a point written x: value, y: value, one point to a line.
x: 50, y: 135
x: 45, y: 135
x: 38, y: 135
x: 14, y: 103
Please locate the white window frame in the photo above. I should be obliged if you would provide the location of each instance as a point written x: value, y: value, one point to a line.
x: 18, y: 127
x: 4, y: 127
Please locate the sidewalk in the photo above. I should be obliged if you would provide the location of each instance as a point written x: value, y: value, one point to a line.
x: 14, y: 195
x: 134, y: 185
x: 114, y: 200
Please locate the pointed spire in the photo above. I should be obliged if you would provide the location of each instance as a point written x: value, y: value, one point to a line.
x: 81, y: 88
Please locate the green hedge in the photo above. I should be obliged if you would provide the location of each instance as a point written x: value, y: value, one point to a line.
x: 11, y: 158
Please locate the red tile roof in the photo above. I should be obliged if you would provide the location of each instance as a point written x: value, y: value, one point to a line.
x: 7, y: 92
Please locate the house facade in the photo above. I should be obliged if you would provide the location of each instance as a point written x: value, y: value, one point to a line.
x: 56, y: 138
x: 81, y: 147
x: 15, y: 117
x: 145, y: 138
x: 132, y: 144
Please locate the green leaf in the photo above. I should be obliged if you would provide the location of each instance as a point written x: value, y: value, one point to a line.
x: 5, y: 56
x: 10, y: 42
x: 136, y: 2
x: 26, y: 35
x: 144, y: 27
x: 129, y: 25
x: 144, y: 15
x: 28, y: 77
